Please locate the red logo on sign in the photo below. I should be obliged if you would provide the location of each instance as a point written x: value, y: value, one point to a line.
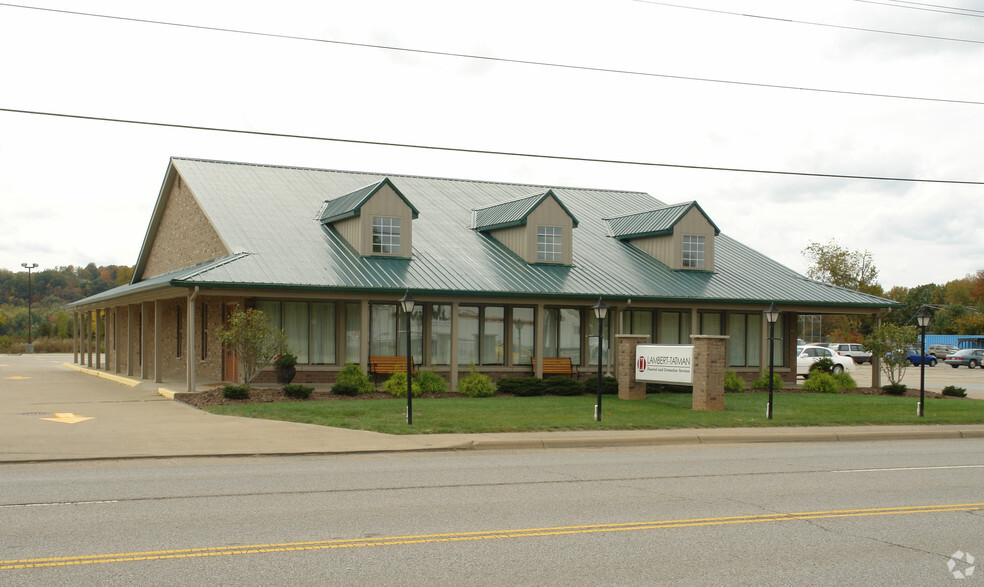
x: 641, y: 364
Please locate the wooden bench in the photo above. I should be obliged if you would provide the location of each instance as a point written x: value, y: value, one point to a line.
x: 555, y: 366
x: 389, y: 365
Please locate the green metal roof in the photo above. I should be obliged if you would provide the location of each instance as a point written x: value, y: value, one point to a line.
x: 655, y: 222
x: 272, y: 213
x: 512, y: 213
x: 350, y: 204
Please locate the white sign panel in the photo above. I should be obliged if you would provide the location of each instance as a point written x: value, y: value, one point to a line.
x: 665, y: 363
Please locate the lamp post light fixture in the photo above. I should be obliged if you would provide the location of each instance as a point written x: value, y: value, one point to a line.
x: 407, y: 302
x: 29, y: 266
x: 601, y: 312
x: 922, y: 318
x: 771, y: 316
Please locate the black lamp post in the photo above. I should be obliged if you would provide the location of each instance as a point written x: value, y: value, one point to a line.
x: 601, y: 311
x: 771, y: 316
x: 922, y: 318
x: 29, y: 266
x: 407, y: 302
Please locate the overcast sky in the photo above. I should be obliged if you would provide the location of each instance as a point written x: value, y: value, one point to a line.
x: 79, y: 190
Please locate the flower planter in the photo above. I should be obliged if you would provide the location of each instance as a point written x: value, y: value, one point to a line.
x: 286, y: 374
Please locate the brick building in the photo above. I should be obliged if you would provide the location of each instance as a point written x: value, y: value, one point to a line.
x: 501, y: 273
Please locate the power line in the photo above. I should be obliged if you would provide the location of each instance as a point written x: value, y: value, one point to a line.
x: 812, y: 23
x: 484, y: 151
x: 513, y: 61
x: 928, y: 8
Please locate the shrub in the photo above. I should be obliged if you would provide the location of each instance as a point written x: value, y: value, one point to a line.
x: 6, y: 344
x: 823, y: 365
x: 476, y: 384
x: 298, y: 391
x: 954, y: 391
x: 285, y: 359
x: 609, y: 385
x: 894, y: 388
x: 431, y: 382
x: 762, y: 382
x: 844, y: 381
x: 345, y: 389
x: 521, y: 386
x: 235, y: 391
x: 561, y: 385
x: 352, y: 375
x: 732, y: 382
x: 396, y: 385
x: 820, y: 382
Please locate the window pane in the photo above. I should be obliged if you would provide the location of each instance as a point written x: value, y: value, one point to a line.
x: 736, y: 342
x: 296, y: 327
x: 494, y: 336
x: 385, y: 235
x: 642, y: 323
x: 382, y: 335
x: 467, y: 335
x: 271, y: 310
x: 416, y: 333
x: 322, y: 333
x: 440, y: 328
x: 710, y: 323
x: 753, y: 345
x: 693, y: 251
x: 570, y: 335
x: 551, y: 316
x: 523, y: 329
x: 549, y: 243
x: 353, y: 332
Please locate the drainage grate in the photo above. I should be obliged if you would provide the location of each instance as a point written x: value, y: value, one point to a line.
x: 35, y: 413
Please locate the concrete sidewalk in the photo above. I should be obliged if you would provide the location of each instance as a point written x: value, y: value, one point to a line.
x: 57, y: 412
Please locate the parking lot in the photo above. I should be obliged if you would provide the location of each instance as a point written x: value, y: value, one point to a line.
x: 937, y: 378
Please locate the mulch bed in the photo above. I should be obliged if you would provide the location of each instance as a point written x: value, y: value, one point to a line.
x: 259, y: 395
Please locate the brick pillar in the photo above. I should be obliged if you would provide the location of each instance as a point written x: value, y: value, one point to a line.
x: 710, y: 361
x: 625, y: 346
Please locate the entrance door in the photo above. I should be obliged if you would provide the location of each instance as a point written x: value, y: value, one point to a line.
x: 230, y: 369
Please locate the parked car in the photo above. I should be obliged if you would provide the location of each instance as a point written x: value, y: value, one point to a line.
x: 913, y: 357
x: 940, y: 351
x: 853, y: 350
x: 970, y: 357
x: 809, y: 354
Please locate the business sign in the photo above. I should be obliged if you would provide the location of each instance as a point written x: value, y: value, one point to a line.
x: 665, y: 363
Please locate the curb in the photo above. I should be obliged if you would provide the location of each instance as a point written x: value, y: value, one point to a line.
x: 110, y: 376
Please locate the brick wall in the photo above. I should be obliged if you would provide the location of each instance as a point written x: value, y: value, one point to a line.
x: 185, y: 235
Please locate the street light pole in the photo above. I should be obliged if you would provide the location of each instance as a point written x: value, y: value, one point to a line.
x: 922, y: 318
x: 407, y: 303
x: 601, y: 311
x: 29, y: 266
x: 771, y: 316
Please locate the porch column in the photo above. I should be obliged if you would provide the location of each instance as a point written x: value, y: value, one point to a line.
x: 158, y: 348
x: 190, y: 355
x: 143, y: 340
x: 129, y: 340
x: 116, y: 340
x: 75, y: 337
x: 538, y: 340
x: 98, y: 351
x: 88, y: 337
x: 453, y: 374
x: 875, y: 361
x: 364, y: 335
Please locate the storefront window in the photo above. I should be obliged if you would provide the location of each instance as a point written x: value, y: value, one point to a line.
x: 468, y: 335
x: 296, y: 328
x: 638, y: 322
x: 523, y: 329
x: 674, y: 328
x: 353, y: 332
x: 416, y: 333
x: 382, y: 330
x: 493, y: 335
x: 710, y: 323
x: 322, y: 333
x: 440, y: 334
x: 562, y: 333
x: 745, y: 338
x: 593, y: 338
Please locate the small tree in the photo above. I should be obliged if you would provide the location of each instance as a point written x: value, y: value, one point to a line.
x: 890, y: 343
x: 254, y: 341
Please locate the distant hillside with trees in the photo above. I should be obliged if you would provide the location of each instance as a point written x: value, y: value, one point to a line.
x: 51, y: 289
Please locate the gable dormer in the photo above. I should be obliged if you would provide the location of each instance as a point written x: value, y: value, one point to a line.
x: 681, y: 236
x: 375, y: 220
x: 537, y: 228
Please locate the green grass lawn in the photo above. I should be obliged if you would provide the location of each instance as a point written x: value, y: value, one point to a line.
x: 657, y: 411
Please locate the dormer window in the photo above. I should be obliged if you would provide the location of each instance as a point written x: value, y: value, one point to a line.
x: 385, y: 235
x: 693, y: 251
x: 549, y: 243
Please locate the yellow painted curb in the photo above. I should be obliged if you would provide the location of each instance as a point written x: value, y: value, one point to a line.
x: 165, y: 392
x: 104, y: 375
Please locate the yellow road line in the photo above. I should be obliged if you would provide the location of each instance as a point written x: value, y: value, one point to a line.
x: 467, y: 536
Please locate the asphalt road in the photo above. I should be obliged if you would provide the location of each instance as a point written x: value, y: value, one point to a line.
x: 876, y: 513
